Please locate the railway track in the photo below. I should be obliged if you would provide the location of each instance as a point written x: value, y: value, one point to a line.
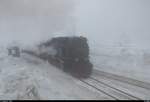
x: 123, y: 79
x: 119, y: 87
x: 108, y: 90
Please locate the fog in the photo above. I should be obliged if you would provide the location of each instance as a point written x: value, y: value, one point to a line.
x: 110, y: 22
x: 118, y: 33
x: 30, y: 21
x: 106, y: 22
x: 35, y: 7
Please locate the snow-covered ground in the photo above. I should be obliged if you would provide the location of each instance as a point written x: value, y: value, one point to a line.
x: 127, y: 61
x: 28, y: 77
x: 31, y: 78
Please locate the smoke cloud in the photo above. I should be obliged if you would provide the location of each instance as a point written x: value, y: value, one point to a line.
x: 35, y: 7
x: 29, y: 21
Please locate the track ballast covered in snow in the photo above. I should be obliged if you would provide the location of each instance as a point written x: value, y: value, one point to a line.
x: 28, y: 77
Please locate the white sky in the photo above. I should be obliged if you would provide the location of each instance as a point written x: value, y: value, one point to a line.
x: 108, y: 21
x: 30, y: 21
x: 102, y: 21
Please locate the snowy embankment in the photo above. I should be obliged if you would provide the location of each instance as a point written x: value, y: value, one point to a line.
x: 31, y: 78
x: 125, y: 61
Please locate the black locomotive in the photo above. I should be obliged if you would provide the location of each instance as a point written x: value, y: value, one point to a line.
x: 71, y: 54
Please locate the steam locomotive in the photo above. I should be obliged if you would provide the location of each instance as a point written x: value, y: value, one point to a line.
x: 70, y: 54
